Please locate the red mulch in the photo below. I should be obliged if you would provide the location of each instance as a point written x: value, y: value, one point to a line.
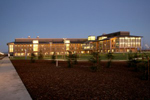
x: 45, y: 81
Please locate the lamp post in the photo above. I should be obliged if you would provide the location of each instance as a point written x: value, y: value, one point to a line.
x: 25, y: 54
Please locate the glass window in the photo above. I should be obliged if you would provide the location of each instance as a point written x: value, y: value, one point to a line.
x: 35, y: 41
x: 91, y: 38
x: 11, y: 48
x: 101, y: 38
x: 35, y: 47
x: 67, y: 41
x: 67, y: 46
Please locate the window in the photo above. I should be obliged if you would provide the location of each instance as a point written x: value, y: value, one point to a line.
x: 67, y: 46
x: 101, y: 38
x: 36, y: 54
x: 82, y: 52
x: 51, y: 53
x: 91, y: 38
x: 67, y: 41
x: 11, y: 48
x: 18, y: 54
x: 35, y: 47
x: 28, y: 54
x: 35, y: 41
x: 112, y: 50
x: 46, y: 53
x: 22, y: 54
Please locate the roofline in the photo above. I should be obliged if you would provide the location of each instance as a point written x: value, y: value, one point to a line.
x: 50, y: 38
x: 112, y: 33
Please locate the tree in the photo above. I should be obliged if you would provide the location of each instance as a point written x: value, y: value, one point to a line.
x: 133, y: 60
x: 40, y: 56
x: 147, y: 69
x: 72, y: 59
x: 95, y: 60
x: 33, y: 57
x: 54, y: 58
x: 109, y: 56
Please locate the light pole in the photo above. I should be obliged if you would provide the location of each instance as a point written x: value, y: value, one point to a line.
x: 25, y: 54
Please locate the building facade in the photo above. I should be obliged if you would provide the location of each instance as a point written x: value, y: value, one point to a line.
x: 113, y: 42
x: 119, y: 42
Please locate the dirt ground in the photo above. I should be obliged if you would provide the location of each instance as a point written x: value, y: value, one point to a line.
x: 45, y: 81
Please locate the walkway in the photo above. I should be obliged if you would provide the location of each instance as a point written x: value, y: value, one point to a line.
x: 11, y: 86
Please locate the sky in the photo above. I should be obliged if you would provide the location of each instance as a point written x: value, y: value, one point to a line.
x: 72, y: 19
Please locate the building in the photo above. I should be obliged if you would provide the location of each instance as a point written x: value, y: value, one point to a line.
x: 1, y: 53
x: 25, y: 46
x: 120, y: 41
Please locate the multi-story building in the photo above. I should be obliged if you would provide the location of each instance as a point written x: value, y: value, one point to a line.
x: 25, y: 46
x: 113, y: 42
x: 119, y: 42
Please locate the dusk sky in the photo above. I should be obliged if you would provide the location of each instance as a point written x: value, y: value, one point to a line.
x: 72, y: 18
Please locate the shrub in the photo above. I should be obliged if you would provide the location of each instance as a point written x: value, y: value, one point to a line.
x: 109, y: 56
x: 75, y: 56
x: 54, y: 58
x: 95, y: 60
x: 133, y: 61
x: 33, y: 57
x: 40, y: 56
x: 72, y: 59
x: 140, y: 66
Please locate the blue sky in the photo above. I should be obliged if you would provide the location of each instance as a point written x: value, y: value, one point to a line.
x: 72, y: 18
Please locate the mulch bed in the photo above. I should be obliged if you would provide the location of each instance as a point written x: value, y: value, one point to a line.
x: 45, y: 81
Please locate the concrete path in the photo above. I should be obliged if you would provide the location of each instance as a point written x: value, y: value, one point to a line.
x: 11, y: 86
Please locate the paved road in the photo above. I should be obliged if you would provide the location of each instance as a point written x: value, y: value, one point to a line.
x: 11, y: 86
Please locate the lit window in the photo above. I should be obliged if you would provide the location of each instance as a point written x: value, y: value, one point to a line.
x: 28, y: 54
x: 35, y: 47
x: 52, y: 53
x: 15, y: 54
x: 22, y: 54
x: 11, y: 48
x: 101, y: 38
x: 35, y: 41
x: 67, y: 46
x: 67, y: 41
x: 18, y: 54
x: 82, y: 51
x: 112, y: 50
x: 46, y: 53
x: 91, y: 38
x: 36, y: 54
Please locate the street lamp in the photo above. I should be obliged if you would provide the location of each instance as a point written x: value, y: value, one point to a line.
x: 25, y: 54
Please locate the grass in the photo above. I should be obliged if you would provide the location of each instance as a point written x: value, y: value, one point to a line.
x: 117, y: 56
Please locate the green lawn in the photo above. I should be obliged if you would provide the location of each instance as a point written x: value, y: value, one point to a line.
x: 117, y: 56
